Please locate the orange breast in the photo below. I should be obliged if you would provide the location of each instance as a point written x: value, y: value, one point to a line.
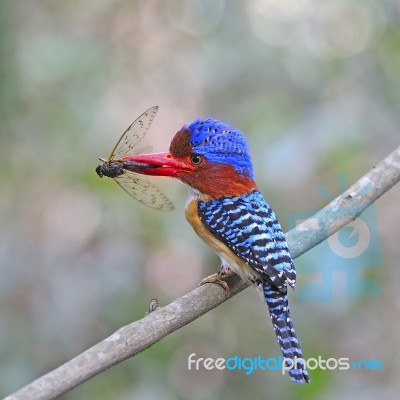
x: 238, y: 265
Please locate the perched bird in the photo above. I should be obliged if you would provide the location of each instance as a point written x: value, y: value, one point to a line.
x: 228, y: 212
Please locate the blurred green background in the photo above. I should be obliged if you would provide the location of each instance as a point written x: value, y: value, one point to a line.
x: 315, y: 86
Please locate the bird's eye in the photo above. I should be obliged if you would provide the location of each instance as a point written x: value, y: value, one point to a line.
x: 196, y: 159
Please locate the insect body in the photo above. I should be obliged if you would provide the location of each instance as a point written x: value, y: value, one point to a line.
x: 111, y: 169
x: 124, y: 171
x: 114, y: 169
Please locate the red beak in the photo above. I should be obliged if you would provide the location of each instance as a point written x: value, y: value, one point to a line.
x: 160, y: 164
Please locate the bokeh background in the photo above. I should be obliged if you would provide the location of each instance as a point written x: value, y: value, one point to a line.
x: 314, y: 84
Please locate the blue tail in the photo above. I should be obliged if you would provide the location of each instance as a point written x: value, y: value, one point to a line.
x: 278, y: 308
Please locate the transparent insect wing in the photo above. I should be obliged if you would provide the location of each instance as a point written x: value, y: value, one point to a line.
x: 143, y: 191
x: 146, y: 149
x: 133, y: 135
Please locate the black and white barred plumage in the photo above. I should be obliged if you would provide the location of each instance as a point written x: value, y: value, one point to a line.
x: 250, y: 228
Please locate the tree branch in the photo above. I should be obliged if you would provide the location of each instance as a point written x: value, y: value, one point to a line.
x: 134, y: 338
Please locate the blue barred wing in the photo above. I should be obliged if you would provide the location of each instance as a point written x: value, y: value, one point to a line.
x: 249, y: 227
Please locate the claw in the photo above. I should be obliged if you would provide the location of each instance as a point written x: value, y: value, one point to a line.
x: 219, y: 279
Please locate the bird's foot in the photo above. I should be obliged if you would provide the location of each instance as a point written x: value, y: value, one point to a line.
x: 219, y: 279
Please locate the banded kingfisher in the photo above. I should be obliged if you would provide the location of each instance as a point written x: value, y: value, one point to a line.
x: 226, y: 209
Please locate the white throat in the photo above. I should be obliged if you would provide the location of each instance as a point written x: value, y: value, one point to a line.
x: 193, y: 194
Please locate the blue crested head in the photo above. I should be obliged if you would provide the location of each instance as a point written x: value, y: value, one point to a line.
x: 222, y: 144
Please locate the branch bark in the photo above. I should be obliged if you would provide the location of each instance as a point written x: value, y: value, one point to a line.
x: 134, y: 338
